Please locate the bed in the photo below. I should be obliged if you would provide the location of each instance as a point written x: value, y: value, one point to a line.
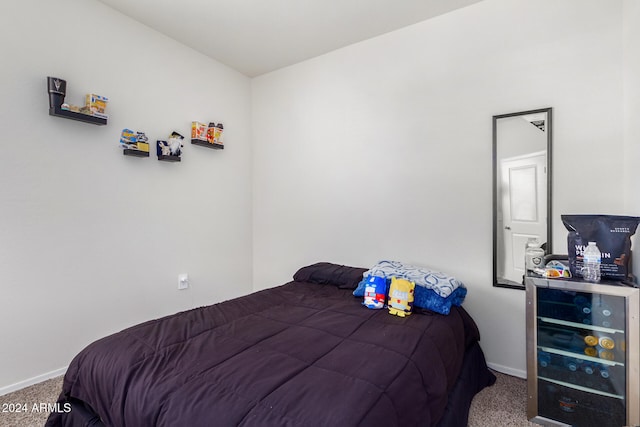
x: 306, y: 353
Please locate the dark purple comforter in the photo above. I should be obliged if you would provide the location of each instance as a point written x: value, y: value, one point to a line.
x: 301, y: 354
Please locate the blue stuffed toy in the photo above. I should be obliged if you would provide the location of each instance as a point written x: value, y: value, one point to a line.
x: 375, y: 292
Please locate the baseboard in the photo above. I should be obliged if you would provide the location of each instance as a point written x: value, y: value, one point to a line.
x: 507, y: 370
x: 31, y: 381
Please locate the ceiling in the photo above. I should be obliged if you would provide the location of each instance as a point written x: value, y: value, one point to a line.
x: 258, y: 36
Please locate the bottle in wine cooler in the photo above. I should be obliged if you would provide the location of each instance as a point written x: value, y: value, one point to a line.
x: 544, y: 358
x: 604, y: 371
x: 603, y: 314
x: 606, y: 342
x: 588, y: 367
x: 591, y: 351
x: 604, y: 309
x: 583, y: 304
x: 591, y: 340
x: 598, y: 342
x: 567, y: 404
x: 571, y: 363
x: 583, y: 309
x: 622, y: 344
x: 606, y: 355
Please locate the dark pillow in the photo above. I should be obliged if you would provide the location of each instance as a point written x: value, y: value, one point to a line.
x: 326, y: 273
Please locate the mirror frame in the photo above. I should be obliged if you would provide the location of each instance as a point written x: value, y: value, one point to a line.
x: 549, y: 245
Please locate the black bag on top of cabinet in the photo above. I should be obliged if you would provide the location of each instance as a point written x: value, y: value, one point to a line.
x: 611, y: 233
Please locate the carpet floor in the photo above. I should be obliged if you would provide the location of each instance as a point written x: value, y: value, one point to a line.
x: 502, y: 405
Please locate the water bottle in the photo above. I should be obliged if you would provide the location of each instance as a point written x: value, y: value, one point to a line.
x: 591, y: 263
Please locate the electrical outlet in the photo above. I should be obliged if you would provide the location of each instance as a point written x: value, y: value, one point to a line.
x: 183, y: 281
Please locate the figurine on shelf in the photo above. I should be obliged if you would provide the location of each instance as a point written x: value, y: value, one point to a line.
x: 172, y: 147
x: 57, y: 90
x: 175, y: 143
x: 162, y: 148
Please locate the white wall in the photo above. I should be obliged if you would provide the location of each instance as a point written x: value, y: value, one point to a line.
x: 92, y: 241
x: 383, y: 149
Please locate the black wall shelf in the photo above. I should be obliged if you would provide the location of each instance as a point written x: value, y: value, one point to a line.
x: 135, y: 153
x: 207, y: 144
x: 169, y: 158
x: 67, y: 114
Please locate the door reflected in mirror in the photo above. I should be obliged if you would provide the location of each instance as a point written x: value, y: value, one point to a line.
x: 521, y: 191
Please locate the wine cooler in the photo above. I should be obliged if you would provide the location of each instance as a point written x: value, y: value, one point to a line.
x: 582, y: 353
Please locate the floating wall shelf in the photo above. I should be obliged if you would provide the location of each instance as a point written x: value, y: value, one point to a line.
x: 67, y: 114
x: 169, y: 158
x: 135, y: 153
x: 57, y: 89
x: 207, y: 144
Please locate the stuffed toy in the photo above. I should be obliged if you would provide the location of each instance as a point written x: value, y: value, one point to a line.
x: 171, y: 147
x: 375, y: 292
x: 401, y: 297
x: 175, y: 143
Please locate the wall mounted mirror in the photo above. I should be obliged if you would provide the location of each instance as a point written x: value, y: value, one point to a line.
x: 521, y: 191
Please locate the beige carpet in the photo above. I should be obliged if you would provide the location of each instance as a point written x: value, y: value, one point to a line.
x: 502, y: 405
x: 32, y: 397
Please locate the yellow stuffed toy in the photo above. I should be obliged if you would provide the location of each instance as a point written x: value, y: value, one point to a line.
x: 401, y: 297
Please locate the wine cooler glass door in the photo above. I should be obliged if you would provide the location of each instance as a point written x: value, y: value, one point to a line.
x: 579, y: 352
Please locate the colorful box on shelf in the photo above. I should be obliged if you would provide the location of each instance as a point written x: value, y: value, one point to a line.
x: 96, y: 105
x: 134, y: 143
x: 207, y: 136
x: 198, y: 131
